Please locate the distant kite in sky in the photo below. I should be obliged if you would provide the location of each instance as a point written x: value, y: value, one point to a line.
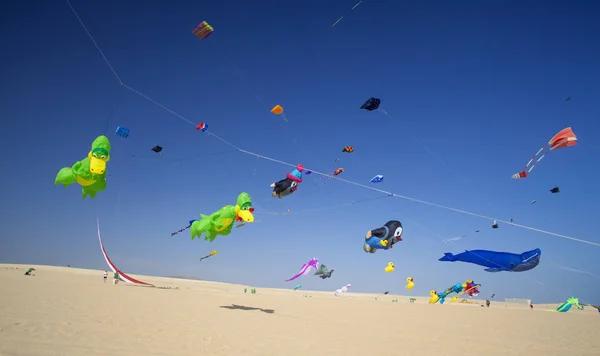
x: 347, y: 12
x: 212, y: 253
x: 371, y: 104
x: 277, y: 110
x: 157, y: 149
x: 202, y: 127
x: 377, y: 179
x: 348, y: 149
x: 555, y: 190
x: 203, y: 30
x: 122, y: 132
x: 305, y: 269
x: 568, y: 98
x: 565, y: 138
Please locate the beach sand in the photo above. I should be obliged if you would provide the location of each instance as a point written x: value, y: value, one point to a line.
x: 70, y: 311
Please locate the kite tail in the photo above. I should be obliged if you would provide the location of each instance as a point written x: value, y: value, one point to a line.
x: 182, y: 230
x: 65, y: 177
x: 448, y: 257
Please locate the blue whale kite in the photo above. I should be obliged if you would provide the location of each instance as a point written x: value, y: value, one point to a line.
x: 498, y: 261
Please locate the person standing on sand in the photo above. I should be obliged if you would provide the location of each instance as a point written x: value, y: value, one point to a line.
x: 115, y: 278
x: 105, y: 276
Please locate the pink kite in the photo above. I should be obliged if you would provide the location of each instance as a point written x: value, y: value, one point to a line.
x: 114, y: 268
x: 306, y: 269
x: 565, y: 138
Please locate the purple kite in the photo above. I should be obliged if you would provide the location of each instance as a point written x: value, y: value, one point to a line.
x: 306, y: 268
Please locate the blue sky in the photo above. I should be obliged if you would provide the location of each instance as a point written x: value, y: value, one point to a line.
x: 472, y: 91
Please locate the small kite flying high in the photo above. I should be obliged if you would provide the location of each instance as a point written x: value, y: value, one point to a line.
x: 565, y: 138
x: 371, y: 104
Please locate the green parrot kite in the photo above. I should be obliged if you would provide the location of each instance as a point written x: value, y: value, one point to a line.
x: 221, y: 221
x: 90, y: 172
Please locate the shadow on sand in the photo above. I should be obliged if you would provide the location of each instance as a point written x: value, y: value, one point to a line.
x: 241, y: 307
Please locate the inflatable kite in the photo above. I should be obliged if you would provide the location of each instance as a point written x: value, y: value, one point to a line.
x: 122, y: 132
x: 410, y: 283
x: 305, y: 269
x: 344, y: 289
x: 384, y: 237
x: 371, y: 104
x: 377, y: 179
x: 288, y: 185
x: 221, y: 221
x: 90, y: 172
x: 212, y: 253
x: 566, y: 306
x: 565, y: 138
x: 338, y: 171
x: 441, y: 296
x: 498, y: 261
x: 323, y: 272
x: 390, y: 267
x: 203, y: 30
x: 471, y: 288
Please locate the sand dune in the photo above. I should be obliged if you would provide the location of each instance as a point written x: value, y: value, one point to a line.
x: 70, y: 311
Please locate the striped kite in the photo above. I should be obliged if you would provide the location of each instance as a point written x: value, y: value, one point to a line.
x: 565, y: 138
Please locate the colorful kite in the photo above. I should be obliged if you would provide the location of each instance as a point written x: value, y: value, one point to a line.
x: 298, y: 286
x: 122, y: 132
x: 348, y: 149
x: 566, y: 306
x: 323, y: 272
x: 498, y: 261
x: 221, y: 221
x: 203, y: 30
x: 565, y: 138
x: 338, y: 171
x: 384, y: 237
x: 288, y: 185
x: 90, y: 172
x: 202, y: 127
x: 390, y: 267
x: 344, y: 289
x: 157, y: 149
x: 371, y: 104
x: 305, y: 269
x: 377, y: 179
x: 212, y: 253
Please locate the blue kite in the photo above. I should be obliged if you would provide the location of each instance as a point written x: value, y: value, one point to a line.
x: 498, y: 261
x: 122, y: 132
x: 377, y: 179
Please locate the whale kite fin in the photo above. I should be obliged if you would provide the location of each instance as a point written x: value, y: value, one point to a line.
x: 448, y: 257
x: 493, y: 269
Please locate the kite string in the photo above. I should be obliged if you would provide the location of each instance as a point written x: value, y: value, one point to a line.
x: 314, y: 171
